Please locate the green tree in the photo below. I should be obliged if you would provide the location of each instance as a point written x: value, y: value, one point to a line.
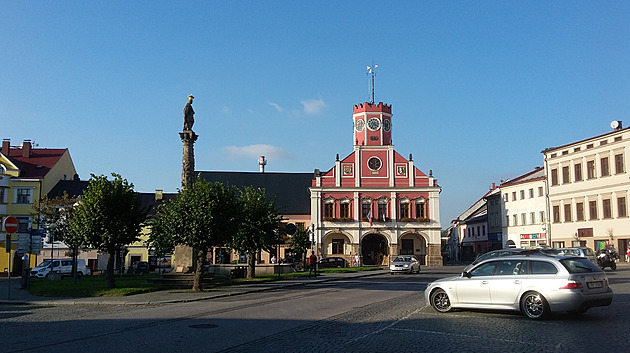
x: 201, y: 216
x: 109, y: 216
x: 55, y: 216
x: 259, y: 229
x: 300, y: 242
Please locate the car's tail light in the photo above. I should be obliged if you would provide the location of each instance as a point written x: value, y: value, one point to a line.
x: 572, y: 285
x: 606, y: 281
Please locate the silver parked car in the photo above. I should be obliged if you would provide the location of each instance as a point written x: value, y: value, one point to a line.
x: 534, y: 285
x: 405, y: 263
x: 579, y: 251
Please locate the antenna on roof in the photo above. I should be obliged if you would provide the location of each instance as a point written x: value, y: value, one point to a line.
x: 371, y: 71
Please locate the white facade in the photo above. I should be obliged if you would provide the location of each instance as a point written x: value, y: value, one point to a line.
x: 524, y: 205
x: 588, y: 191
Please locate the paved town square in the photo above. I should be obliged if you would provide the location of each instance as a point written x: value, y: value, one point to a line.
x: 375, y: 313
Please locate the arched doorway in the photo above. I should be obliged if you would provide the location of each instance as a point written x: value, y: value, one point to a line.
x: 374, y: 249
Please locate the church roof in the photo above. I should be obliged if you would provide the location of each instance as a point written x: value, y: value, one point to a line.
x: 290, y: 190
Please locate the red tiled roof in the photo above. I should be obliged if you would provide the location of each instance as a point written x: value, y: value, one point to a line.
x: 38, y: 164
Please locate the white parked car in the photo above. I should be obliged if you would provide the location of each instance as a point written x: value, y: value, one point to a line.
x: 405, y: 264
x: 534, y: 285
x: 61, y: 266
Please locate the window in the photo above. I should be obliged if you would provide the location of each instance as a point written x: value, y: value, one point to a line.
x: 579, y: 211
x: 592, y: 210
x: 589, y: 146
x: 382, y: 211
x: 565, y: 175
x: 23, y: 196
x: 2, y: 195
x: 542, y: 268
x: 484, y: 270
x: 604, y: 164
x: 567, y: 213
x: 590, y: 170
x: 531, y: 193
x: 366, y: 208
x: 606, y: 206
x: 541, y: 215
x: 329, y: 210
x: 621, y: 207
x: 337, y: 246
x: 513, y: 195
x: 511, y: 268
x: 505, y: 197
x: 556, y: 214
x: 532, y: 218
x: 554, y: 177
x: 404, y: 210
x: 507, y: 221
x: 421, y: 211
x: 619, y: 164
x: 578, y: 171
x: 344, y: 210
x: 540, y: 191
x: 523, y: 219
x: 515, y: 220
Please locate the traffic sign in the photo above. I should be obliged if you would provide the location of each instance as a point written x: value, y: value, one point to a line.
x: 10, y: 224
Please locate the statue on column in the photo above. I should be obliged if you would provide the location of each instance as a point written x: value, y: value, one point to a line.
x: 189, y: 113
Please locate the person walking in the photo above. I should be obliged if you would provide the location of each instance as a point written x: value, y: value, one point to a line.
x: 628, y: 255
x: 313, y: 262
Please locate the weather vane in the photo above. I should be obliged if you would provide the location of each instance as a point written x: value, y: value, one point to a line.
x: 371, y: 71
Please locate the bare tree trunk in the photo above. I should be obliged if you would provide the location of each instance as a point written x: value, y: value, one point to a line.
x: 110, y: 278
x: 201, y: 257
x: 251, y: 264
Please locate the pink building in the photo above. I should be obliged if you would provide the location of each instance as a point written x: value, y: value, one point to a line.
x: 374, y: 202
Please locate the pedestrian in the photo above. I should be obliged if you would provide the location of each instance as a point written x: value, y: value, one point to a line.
x: 628, y: 255
x: 356, y: 260
x: 273, y: 259
x: 313, y: 262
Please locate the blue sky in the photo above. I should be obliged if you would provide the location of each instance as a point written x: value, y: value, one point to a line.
x: 477, y: 89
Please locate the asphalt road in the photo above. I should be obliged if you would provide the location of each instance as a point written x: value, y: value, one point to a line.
x: 373, y: 314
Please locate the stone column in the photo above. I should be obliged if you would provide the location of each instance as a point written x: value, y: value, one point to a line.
x: 188, y: 160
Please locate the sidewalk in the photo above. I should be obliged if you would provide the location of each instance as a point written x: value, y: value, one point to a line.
x: 21, y: 296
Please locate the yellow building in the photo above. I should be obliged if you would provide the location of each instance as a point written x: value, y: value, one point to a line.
x: 27, y: 174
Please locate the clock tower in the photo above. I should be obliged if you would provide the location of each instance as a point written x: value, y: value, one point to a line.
x: 372, y: 124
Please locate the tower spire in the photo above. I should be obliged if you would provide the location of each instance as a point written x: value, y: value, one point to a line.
x: 371, y: 71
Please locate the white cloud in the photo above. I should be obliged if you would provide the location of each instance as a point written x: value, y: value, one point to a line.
x: 255, y: 151
x: 276, y: 105
x: 313, y: 106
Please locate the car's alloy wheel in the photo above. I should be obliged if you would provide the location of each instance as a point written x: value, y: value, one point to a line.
x: 440, y: 301
x: 534, y: 305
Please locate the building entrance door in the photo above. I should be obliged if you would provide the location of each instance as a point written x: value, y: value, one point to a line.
x: 374, y: 249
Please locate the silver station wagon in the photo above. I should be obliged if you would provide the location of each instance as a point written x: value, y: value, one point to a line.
x: 535, y: 285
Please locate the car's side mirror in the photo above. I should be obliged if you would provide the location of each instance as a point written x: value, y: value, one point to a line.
x: 466, y: 274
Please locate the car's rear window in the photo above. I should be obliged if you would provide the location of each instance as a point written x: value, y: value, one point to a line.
x: 579, y: 265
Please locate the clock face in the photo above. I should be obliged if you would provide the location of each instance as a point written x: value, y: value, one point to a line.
x: 374, y: 163
x: 374, y: 124
x: 387, y: 125
x: 359, y: 125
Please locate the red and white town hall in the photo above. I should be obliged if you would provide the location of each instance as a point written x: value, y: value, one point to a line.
x: 374, y: 202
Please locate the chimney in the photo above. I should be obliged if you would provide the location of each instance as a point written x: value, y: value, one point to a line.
x: 262, y: 162
x: 6, y: 146
x: 158, y: 194
x: 26, y: 149
x: 493, y: 186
